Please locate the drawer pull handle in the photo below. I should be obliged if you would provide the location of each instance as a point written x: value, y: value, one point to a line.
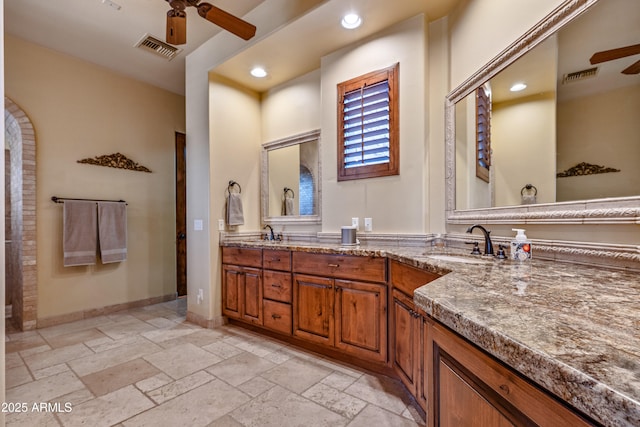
x: 276, y: 316
x: 334, y: 265
x: 505, y: 388
x: 276, y: 285
x: 275, y: 259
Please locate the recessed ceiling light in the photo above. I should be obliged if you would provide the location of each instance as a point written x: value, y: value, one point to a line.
x: 351, y: 21
x: 518, y: 87
x: 258, y: 72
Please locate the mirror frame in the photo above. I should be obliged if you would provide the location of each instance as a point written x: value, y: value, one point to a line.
x: 310, y: 136
x: 617, y: 210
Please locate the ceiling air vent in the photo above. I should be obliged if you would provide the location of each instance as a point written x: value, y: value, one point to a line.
x: 579, y: 75
x: 158, y: 47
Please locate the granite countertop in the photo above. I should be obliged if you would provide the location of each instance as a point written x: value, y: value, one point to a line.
x: 572, y: 329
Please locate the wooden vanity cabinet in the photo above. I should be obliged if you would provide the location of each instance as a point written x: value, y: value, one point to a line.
x: 334, y: 307
x: 242, y: 284
x: 277, y: 290
x: 468, y: 387
x: 406, y: 325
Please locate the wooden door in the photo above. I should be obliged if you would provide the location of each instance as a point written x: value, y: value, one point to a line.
x: 232, y: 282
x: 252, y: 296
x: 181, y: 215
x: 313, y: 308
x: 361, y: 319
x: 406, y: 341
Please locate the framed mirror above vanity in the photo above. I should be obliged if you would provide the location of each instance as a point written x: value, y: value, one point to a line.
x: 566, y: 149
x: 290, y: 188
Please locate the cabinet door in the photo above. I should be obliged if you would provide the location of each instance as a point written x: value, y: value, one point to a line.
x: 361, y: 319
x: 406, y: 341
x: 468, y: 387
x: 232, y: 282
x: 313, y: 308
x: 251, y: 308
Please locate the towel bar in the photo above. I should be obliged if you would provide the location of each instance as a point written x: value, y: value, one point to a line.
x: 57, y: 199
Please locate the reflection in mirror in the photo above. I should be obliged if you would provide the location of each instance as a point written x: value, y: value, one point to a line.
x: 290, y: 179
x: 569, y: 125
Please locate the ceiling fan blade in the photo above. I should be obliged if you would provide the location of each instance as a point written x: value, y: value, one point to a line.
x: 223, y: 19
x: 176, y: 27
x: 632, y: 69
x: 611, y: 54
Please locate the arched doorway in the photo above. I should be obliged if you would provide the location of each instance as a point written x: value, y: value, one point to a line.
x: 20, y: 249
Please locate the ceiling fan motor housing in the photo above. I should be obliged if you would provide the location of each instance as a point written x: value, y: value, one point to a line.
x: 176, y: 26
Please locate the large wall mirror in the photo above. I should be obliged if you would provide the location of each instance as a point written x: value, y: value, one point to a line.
x: 291, y: 179
x: 567, y: 147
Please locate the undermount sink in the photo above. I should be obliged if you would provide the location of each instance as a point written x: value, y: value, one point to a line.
x: 453, y: 258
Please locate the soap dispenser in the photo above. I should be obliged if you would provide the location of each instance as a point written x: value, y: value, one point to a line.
x: 520, y: 246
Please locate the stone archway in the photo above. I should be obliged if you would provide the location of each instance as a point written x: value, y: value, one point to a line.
x: 20, y: 136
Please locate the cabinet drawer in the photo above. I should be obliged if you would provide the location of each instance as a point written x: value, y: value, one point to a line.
x: 407, y: 278
x: 277, y: 316
x: 242, y: 256
x: 276, y: 259
x: 341, y: 266
x: 277, y: 285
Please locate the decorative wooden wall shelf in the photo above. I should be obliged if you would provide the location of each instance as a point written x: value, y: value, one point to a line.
x: 585, y: 169
x: 115, y: 160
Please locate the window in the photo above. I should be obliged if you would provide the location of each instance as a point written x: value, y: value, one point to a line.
x: 483, y: 134
x: 368, y: 143
x: 306, y: 191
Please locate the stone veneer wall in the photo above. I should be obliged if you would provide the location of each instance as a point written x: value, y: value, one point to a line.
x: 22, y: 144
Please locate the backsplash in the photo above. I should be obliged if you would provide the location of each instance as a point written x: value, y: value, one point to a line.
x: 616, y: 256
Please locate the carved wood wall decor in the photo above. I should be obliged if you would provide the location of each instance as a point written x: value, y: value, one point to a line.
x: 585, y: 169
x: 115, y: 160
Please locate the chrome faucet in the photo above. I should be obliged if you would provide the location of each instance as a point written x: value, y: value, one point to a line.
x: 269, y: 236
x: 488, y: 246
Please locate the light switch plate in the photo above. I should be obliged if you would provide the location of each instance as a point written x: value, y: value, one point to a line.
x: 198, y: 225
x: 221, y: 225
x: 355, y: 222
x: 368, y: 224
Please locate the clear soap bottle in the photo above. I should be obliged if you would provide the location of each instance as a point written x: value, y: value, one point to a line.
x: 520, y: 246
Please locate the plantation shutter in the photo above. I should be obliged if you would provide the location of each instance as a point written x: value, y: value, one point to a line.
x: 368, y: 143
x: 366, y: 125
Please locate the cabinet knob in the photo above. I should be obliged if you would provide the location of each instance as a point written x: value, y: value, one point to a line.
x: 505, y: 388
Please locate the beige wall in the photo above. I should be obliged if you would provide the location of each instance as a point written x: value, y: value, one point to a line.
x: 396, y: 203
x: 80, y: 110
x: 523, y: 135
x: 234, y: 126
x: 292, y: 108
x: 585, y: 136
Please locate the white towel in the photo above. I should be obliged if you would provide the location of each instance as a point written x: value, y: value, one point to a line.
x: 287, y: 206
x: 79, y: 235
x: 234, y: 210
x: 112, y: 231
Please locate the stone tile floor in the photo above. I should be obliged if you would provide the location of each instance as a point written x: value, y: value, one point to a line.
x: 149, y: 367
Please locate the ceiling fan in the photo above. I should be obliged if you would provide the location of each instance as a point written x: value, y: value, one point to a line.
x: 177, y: 20
x: 621, y: 52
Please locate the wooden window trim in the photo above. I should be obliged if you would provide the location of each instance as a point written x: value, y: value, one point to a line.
x: 371, y: 171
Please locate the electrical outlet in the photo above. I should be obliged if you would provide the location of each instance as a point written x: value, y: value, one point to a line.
x: 355, y: 222
x: 368, y: 224
x: 221, y: 225
x: 198, y: 225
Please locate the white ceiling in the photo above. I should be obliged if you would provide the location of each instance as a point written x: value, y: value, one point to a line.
x: 94, y: 31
